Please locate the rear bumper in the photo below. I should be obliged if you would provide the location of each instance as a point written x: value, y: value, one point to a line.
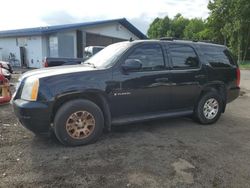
x: 35, y: 116
x: 232, y: 94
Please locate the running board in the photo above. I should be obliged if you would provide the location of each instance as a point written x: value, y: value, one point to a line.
x: 140, y: 118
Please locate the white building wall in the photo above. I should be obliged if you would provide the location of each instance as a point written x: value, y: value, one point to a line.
x: 73, y: 35
x: 53, y: 46
x: 34, y: 51
x: 112, y: 30
x: 9, y: 45
x: 33, y: 46
x: 53, y: 42
x: 45, y: 46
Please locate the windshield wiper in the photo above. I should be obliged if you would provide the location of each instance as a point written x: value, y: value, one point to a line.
x: 88, y: 63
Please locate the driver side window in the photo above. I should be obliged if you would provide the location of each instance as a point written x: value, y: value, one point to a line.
x: 150, y: 56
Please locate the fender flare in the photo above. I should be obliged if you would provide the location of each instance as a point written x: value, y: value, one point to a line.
x: 95, y: 96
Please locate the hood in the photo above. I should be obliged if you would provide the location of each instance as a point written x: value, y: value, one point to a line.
x: 46, y: 72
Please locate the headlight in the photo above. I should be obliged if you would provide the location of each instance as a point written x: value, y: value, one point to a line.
x: 30, y: 89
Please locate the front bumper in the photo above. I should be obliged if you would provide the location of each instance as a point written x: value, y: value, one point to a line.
x: 35, y: 116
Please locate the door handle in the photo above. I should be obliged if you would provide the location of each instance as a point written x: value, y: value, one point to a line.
x: 200, y: 76
x: 161, y: 80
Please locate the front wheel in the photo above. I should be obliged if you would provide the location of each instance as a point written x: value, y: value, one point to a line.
x: 78, y: 122
x: 209, y: 107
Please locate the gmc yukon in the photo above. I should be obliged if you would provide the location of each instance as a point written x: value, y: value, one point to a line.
x: 128, y: 82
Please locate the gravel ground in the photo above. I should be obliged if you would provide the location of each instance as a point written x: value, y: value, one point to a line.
x: 165, y: 153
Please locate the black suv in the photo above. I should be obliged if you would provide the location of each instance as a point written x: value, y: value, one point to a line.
x: 128, y: 82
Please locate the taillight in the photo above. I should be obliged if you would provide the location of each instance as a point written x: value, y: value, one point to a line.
x: 46, y: 63
x: 238, y: 77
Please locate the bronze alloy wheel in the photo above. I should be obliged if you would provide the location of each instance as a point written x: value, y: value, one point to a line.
x: 80, y: 124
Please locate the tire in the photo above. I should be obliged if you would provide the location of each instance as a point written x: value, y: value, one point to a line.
x: 205, y: 104
x: 74, y: 118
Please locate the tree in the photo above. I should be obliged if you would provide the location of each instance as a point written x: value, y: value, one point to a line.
x: 228, y: 23
x: 159, y: 27
x: 229, y: 20
x: 195, y: 30
x: 178, y: 26
x: 167, y: 27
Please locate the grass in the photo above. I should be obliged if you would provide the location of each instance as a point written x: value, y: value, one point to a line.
x: 245, y: 65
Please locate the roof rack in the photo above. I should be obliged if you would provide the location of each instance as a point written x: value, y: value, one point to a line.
x: 168, y: 38
x: 207, y: 41
x: 194, y: 40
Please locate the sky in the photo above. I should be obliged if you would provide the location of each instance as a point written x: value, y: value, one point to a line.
x: 16, y: 14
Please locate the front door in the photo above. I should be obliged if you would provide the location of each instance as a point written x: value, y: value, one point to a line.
x: 145, y: 90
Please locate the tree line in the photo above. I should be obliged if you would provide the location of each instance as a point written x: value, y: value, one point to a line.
x: 228, y: 23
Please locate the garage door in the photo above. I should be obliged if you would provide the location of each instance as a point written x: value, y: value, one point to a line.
x: 100, y: 40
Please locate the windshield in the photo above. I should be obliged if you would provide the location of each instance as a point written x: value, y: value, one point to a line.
x: 107, y: 57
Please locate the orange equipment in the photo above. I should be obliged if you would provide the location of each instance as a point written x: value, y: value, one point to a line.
x: 5, y: 94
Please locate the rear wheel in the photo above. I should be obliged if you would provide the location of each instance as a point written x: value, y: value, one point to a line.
x: 78, y: 122
x: 209, y: 107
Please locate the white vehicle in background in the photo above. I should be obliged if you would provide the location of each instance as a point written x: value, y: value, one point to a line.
x: 6, y: 69
x: 61, y: 61
x: 89, y: 51
x: 6, y: 65
x: 5, y: 73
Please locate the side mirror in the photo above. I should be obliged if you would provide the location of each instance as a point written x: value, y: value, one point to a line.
x: 132, y: 65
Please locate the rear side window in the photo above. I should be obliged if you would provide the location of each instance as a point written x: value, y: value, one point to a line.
x: 217, y: 56
x: 150, y: 56
x: 230, y: 57
x: 183, y: 57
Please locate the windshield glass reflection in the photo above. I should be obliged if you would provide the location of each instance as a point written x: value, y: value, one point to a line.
x: 107, y: 57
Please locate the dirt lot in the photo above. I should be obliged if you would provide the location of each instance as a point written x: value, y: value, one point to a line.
x: 166, y: 153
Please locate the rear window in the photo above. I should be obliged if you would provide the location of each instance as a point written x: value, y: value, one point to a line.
x: 217, y: 56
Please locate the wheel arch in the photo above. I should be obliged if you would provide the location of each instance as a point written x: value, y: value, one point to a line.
x: 217, y: 87
x: 97, y: 97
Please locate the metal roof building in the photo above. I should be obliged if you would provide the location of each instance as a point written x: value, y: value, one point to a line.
x: 28, y: 47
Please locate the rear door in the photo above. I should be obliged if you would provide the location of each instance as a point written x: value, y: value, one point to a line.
x: 187, y: 75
